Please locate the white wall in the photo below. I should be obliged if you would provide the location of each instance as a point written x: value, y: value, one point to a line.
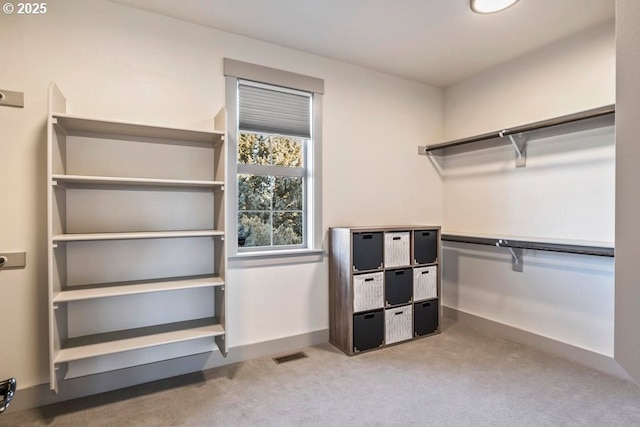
x: 627, y: 345
x: 120, y: 63
x: 571, y: 75
x: 566, y: 192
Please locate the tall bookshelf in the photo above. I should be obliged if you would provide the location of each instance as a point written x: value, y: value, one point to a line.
x: 136, y: 241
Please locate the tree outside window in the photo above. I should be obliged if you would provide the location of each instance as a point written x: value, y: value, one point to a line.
x: 271, y: 190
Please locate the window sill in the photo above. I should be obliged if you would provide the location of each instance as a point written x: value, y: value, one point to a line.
x: 268, y: 258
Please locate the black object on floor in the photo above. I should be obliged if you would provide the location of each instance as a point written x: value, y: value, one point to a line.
x: 7, y: 390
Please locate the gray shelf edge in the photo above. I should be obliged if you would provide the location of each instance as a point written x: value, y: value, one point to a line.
x: 537, y: 246
x: 72, y: 124
x: 570, y: 118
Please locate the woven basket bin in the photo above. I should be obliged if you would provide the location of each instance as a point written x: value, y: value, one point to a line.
x: 398, y: 324
x: 425, y: 281
x: 368, y: 291
x: 397, y: 249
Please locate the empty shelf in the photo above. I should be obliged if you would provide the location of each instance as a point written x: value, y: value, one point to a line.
x: 569, y: 247
x: 136, y: 235
x: 598, y: 116
x: 74, y: 124
x: 108, y: 180
x: 135, y: 339
x: 132, y: 288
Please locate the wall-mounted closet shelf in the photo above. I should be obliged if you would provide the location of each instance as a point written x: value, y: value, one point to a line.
x: 516, y: 247
x: 71, y: 123
x: 86, y: 180
x: 537, y: 246
x: 519, y: 135
x: 136, y: 235
x: 135, y: 339
x: 87, y: 292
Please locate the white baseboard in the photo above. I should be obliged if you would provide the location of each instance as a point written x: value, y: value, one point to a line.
x: 584, y: 357
x: 40, y: 395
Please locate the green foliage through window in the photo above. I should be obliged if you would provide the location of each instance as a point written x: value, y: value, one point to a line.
x: 270, y: 207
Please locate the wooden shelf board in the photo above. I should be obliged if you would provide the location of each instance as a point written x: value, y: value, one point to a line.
x: 109, y: 180
x: 429, y: 264
x: 73, y: 123
x: 81, y: 293
x: 391, y: 228
x: 135, y: 235
x: 136, y: 339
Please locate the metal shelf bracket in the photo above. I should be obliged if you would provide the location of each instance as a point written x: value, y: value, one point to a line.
x: 519, y: 143
x: 517, y: 260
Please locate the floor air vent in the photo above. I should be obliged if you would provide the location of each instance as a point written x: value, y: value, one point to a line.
x: 290, y: 357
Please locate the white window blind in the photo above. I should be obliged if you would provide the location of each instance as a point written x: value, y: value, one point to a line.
x: 273, y: 111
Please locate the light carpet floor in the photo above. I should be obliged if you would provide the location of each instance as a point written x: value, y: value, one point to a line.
x: 458, y: 378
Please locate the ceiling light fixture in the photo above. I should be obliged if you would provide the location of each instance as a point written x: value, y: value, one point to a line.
x: 491, y: 6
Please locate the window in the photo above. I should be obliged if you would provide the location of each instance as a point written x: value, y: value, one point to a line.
x: 274, y: 131
x: 274, y: 160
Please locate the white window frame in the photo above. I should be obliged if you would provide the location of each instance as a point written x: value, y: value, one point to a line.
x: 236, y: 72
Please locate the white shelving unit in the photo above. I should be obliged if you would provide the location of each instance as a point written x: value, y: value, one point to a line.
x: 136, y: 224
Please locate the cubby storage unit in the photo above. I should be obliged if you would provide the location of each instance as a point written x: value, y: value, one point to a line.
x: 136, y: 258
x: 384, y: 285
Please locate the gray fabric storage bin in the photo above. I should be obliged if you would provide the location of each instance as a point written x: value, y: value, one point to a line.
x: 425, y: 246
x: 367, y: 251
x: 368, y: 330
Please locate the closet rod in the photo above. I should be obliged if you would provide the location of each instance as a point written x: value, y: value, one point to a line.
x: 570, y: 118
x: 538, y: 246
